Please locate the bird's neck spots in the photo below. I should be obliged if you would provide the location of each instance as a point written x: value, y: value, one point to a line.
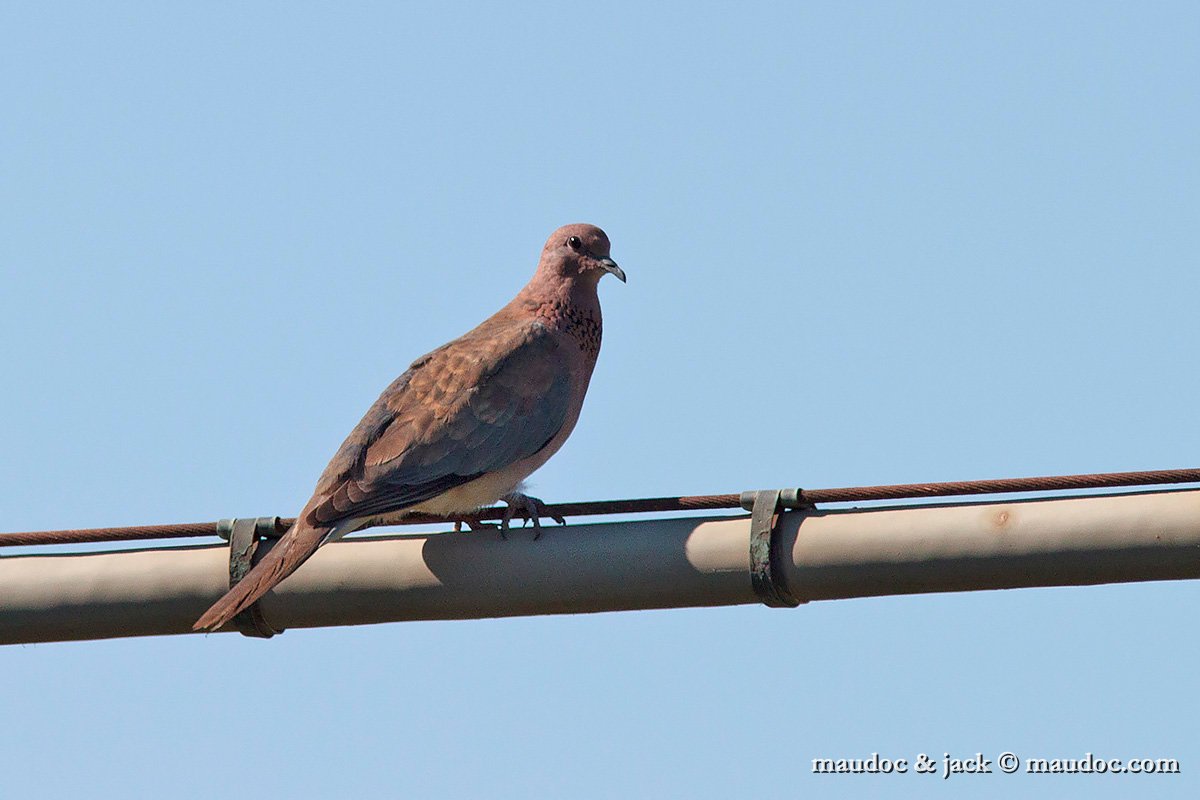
x: 580, y: 321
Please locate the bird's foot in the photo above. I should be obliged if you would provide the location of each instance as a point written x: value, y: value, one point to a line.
x: 531, y: 508
x: 474, y: 523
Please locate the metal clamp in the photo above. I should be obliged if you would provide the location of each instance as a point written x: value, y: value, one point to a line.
x: 244, y: 536
x: 765, y: 573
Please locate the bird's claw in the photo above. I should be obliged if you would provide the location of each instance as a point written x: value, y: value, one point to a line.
x: 530, y: 508
x: 473, y: 523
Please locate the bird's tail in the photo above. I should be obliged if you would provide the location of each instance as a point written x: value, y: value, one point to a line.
x: 283, y: 559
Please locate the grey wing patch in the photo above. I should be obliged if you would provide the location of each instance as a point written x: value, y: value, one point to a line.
x: 516, y: 408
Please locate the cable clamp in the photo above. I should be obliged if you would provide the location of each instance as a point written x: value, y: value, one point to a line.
x: 244, y: 536
x: 766, y: 573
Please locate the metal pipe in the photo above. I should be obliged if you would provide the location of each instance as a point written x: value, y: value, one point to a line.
x: 1073, y: 541
x: 665, y: 563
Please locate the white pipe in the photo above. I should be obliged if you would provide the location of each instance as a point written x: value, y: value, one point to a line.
x: 969, y: 546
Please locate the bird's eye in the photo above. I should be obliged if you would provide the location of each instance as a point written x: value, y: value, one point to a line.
x: 575, y: 243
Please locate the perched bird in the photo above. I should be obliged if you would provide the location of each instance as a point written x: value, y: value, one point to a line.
x: 466, y: 424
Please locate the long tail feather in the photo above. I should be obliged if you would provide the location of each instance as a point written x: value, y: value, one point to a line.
x: 284, y: 558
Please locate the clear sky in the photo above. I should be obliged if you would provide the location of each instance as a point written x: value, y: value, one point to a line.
x: 963, y: 235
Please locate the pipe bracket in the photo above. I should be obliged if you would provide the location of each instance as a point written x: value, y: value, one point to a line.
x: 765, y: 573
x: 244, y: 537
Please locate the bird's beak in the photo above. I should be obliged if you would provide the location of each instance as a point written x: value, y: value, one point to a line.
x: 611, y: 267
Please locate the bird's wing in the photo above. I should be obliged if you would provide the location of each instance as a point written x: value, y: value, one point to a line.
x: 474, y: 406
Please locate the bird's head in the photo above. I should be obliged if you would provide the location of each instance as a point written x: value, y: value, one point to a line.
x: 579, y: 252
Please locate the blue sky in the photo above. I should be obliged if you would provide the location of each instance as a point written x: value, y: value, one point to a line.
x: 962, y: 236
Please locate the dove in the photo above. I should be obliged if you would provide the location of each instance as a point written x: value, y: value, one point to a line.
x: 466, y: 424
